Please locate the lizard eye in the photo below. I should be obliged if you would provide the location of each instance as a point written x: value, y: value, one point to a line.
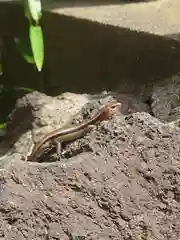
x: 115, y: 106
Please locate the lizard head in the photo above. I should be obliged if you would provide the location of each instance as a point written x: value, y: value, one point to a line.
x: 109, y: 110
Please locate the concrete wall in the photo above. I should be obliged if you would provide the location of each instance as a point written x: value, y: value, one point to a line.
x: 85, y: 56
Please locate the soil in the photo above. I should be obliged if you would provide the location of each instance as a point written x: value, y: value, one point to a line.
x: 120, y: 181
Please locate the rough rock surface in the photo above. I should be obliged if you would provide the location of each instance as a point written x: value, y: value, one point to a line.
x: 121, y: 181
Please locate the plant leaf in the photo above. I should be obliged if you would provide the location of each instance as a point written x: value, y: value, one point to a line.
x: 37, y: 45
x: 3, y: 128
x: 27, y: 12
x: 29, y: 90
x: 34, y: 9
x: 25, y: 50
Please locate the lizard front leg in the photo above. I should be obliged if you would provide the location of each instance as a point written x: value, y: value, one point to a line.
x: 58, y: 149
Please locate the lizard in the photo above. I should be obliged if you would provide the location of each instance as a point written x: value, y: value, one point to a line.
x: 71, y: 133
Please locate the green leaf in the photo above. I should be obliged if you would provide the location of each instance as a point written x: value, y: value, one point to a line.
x: 25, y: 50
x: 3, y: 128
x: 34, y: 8
x: 37, y: 45
x: 27, y: 12
x: 3, y: 125
x: 24, y: 89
